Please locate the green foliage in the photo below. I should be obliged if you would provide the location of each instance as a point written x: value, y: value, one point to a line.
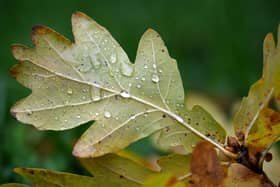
x: 93, y: 79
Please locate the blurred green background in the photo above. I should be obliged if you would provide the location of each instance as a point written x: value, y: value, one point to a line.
x: 218, y: 46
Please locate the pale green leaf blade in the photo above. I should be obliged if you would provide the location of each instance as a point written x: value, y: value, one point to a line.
x: 46, y: 178
x: 198, y: 118
x: 177, y: 165
x: 250, y: 108
x: 163, y: 180
x: 116, y: 168
x: 93, y: 79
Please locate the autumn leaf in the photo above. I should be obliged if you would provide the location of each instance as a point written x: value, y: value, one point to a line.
x: 93, y: 79
x: 177, y: 165
x: 175, y: 135
x: 46, y: 178
x: 118, y: 169
x: 264, y: 134
x: 13, y: 185
x: 261, y: 92
x: 205, y: 166
x: 109, y: 170
x: 163, y: 180
x: 241, y: 176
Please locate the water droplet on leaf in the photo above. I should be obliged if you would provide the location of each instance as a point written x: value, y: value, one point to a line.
x: 113, y: 58
x: 69, y: 91
x: 155, y: 78
x: 127, y: 69
x: 125, y: 94
x: 107, y: 114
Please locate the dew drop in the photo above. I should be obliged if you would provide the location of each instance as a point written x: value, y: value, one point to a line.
x: 96, y: 113
x: 69, y: 91
x: 155, y: 78
x: 95, y: 94
x: 133, y: 117
x: 138, y: 86
x: 65, y: 120
x: 146, y: 66
x: 160, y: 71
x: 143, y: 79
x: 113, y: 58
x: 107, y: 114
x: 145, y: 115
x: 125, y: 94
x: 154, y: 66
x: 129, y: 84
x: 127, y: 69
x: 78, y: 116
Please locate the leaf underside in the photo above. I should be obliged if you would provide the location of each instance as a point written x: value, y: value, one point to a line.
x: 93, y: 80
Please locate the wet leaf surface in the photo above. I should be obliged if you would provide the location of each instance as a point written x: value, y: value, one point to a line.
x: 93, y: 79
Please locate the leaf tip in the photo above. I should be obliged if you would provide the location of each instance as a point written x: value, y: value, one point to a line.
x: 18, y: 50
x: 268, y: 43
x: 77, y: 16
x: 39, y: 29
x: 151, y: 33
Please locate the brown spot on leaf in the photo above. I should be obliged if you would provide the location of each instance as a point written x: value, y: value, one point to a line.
x: 39, y: 29
x: 268, y: 157
x: 14, y: 71
x: 205, y: 166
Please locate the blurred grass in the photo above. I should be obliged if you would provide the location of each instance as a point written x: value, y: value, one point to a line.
x: 218, y: 46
